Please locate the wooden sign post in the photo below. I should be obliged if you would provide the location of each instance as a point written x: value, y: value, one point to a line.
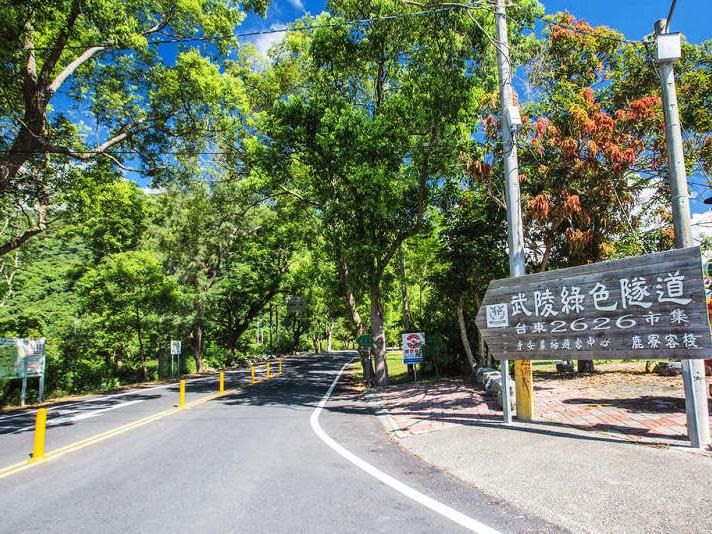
x: 642, y: 307
x: 650, y: 306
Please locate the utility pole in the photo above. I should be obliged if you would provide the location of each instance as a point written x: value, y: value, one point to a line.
x: 693, y: 371
x: 515, y: 239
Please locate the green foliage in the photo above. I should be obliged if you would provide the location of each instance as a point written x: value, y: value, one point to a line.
x: 344, y: 146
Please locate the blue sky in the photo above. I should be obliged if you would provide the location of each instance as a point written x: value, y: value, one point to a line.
x: 634, y: 18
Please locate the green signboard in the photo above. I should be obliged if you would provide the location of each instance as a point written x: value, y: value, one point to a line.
x: 364, y: 340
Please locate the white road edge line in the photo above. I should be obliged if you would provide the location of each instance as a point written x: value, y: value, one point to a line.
x: 437, y: 507
x: 99, y: 398
x: 88, y: 415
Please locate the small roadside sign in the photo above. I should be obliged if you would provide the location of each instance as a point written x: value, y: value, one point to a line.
x: 365, y: 340
x: 413, y: 347
x: 175, y: 347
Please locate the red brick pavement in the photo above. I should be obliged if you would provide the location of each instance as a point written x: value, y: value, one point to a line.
x: 640, y: 413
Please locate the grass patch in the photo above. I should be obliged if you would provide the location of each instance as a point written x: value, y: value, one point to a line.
x: 397, y: 370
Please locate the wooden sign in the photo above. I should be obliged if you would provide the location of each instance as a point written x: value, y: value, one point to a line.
x: 295, y: 304
x: 643, y: 307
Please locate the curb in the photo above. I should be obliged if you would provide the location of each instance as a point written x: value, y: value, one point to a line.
x: 384, y: 415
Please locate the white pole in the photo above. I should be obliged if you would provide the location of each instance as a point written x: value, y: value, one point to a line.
x: 23, y: 394
x: 693, y: 371
x: 515, y: 238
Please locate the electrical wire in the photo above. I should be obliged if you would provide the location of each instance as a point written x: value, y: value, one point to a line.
x: 355, y: 22
x: 309, y: 27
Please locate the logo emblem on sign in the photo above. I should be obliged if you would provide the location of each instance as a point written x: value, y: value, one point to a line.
x: 413, y: 341
x: 497, y: 316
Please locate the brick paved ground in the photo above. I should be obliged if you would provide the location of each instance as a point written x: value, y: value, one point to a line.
x: 621, y: 400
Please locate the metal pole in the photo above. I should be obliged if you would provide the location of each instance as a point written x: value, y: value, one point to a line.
x: 42, y: 386
x: 23, y: 394
x: 693, y: 371
x: 515, y: 238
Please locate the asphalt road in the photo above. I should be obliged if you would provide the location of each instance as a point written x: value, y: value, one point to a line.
x: 245, y: 462
x: 68, y: 422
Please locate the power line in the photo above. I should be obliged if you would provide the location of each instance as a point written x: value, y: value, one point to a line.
x: 353, y: 22
x: 217, y: 38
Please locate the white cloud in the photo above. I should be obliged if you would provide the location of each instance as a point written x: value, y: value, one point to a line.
x: 265, y: 41
x: 701, y: 225
x: 297, y: 4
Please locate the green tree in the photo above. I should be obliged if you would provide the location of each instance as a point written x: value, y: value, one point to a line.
x: 99, y: 54
x: 380, y: 118
x: 125, y: 295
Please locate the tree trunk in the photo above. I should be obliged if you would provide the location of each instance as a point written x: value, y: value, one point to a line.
x: 404, y: 302
x: 329, y: 332
x: 162, y: 371
x: 315, y: 342
x: 378, y: 330
x: 482, y: 354
x: 348, y: 294
x: 197, y: 346
x: 585, y: 366
x: 404, y: 290
x: 276, y: 325
x: 142, y: 355
x: 463, y: 333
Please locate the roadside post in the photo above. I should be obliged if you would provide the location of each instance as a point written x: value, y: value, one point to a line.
x: 221, y: 387
x: 181, y: 394
x: 175, y: 351
x: 412, y: 345
x: 668, y: 50
x: 365, y: 343
x: 511, y: 119
x: 643, y: 307
x: 280, y: 366
x: 38, y: 451
x: 252, y: 373
x: 23, y: 394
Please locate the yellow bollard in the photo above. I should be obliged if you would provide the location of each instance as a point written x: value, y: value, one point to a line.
x: 268, y: 375
x: 252, y: 369
x: 38, y: 453
x: 280, y: 366
x: 524, y: 389
x: 222, y: 382
x: 181, y: 396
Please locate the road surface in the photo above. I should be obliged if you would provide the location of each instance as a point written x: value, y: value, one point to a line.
x: 248, y: 461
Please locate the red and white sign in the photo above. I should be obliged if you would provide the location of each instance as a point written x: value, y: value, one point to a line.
x: 412, y: 347
x: 413, y: 340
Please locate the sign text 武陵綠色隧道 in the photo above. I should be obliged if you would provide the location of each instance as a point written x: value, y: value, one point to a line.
x: 649, y: 306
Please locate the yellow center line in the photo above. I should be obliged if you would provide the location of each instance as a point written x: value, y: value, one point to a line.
x: 21, y: 466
